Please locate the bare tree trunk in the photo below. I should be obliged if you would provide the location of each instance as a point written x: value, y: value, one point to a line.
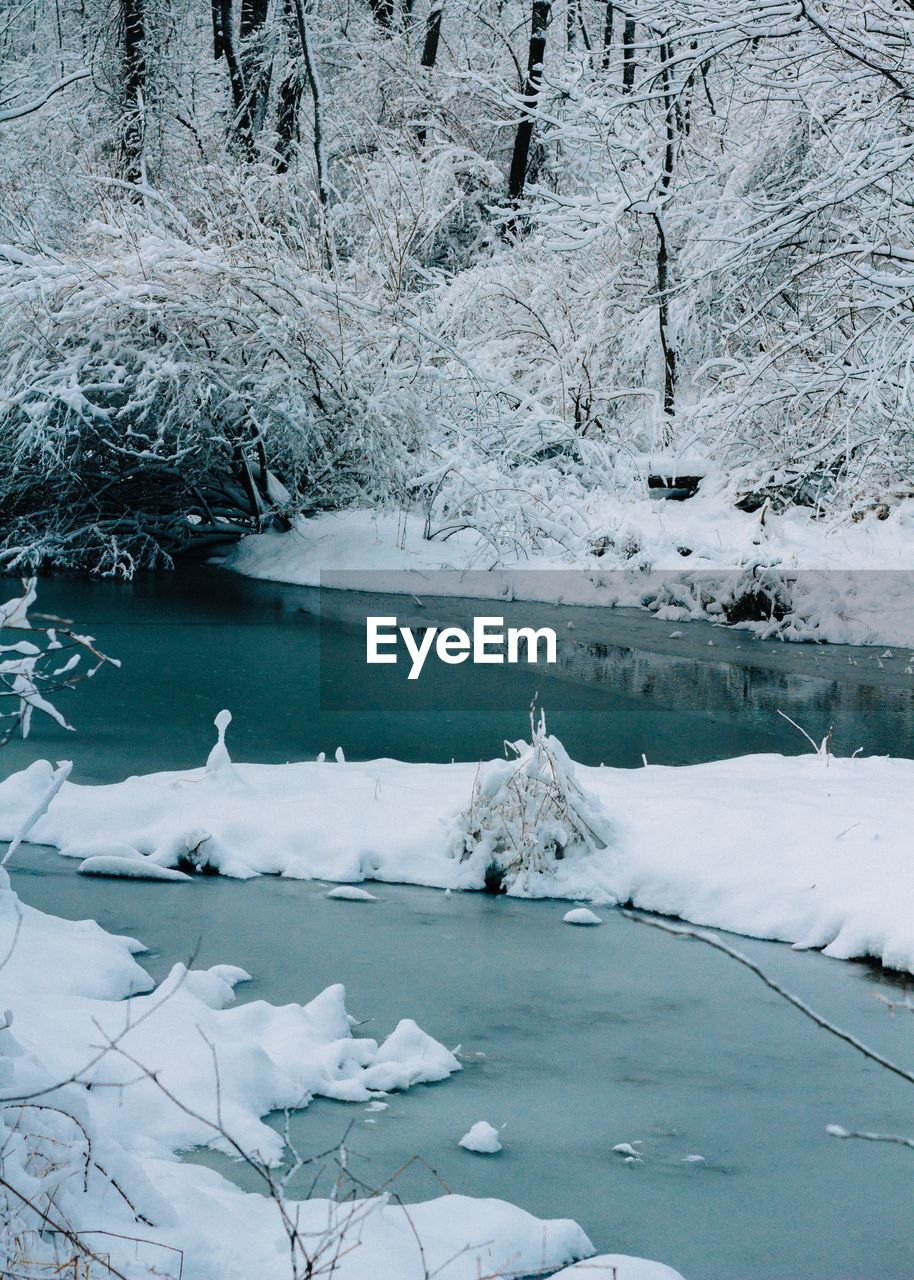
x: 432, y: 35
x: 133, y: 90
x: 663, y: 317
x: 218, y: 44
x: 628, y: 55
x: 609, y: 15
x: 518, y: 174
x: 255, y: 70
x: 571, y: 23
x: 430, y: 50
x: 667, y: 342
x: 224, y: 36
x: 289, y: 98
x: 317, y: 102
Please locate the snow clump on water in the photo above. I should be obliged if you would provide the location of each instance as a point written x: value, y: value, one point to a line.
x: 482, y: 1138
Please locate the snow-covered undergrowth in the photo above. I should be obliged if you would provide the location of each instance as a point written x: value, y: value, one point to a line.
x: 103, y: 1079
x: 813, y: 850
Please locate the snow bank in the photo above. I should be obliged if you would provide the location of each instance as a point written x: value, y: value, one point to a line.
x: 841, y: 581
x: 617, y: 1266
x: 67, y: 957
x: 813, y: 850
x: 462, y: 1238
x: 178, y: 1066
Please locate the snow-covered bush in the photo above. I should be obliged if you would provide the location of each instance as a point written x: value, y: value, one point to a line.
x: 166, y: 383
x: 526, y: 814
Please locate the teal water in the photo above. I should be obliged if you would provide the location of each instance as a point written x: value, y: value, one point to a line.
x: 589, y: 1037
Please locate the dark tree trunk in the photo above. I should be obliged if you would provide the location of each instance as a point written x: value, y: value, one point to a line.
x: 133, y: 90
x: 430, y: 50
x: 432, y: 35
x: 520, y: 158
x: 572, y: 18
x: 289, y: 97
x: 224, y: 41
x: 608, y: 18
x: 628, y: 55
x: 673, y: 126
x: 256, y: 72
x: 663, y: 321
x: 230, y: 53
x: 317, y: 103
x: 218, y: 42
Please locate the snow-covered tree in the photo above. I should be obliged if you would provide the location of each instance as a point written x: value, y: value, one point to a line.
x: 279, y: 279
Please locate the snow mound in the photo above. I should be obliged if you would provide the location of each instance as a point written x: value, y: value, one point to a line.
x: 617, y: 1266
x: 408, y: 1056
x: 138, y: 868
x: 85, y: 849
x: 481, y: 1138
x: 581, y: 915
x: 350, y: 893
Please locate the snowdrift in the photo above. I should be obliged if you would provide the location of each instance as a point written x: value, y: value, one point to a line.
x: 812, y: 850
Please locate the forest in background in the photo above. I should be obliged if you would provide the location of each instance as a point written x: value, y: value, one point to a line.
x: 261, y: 258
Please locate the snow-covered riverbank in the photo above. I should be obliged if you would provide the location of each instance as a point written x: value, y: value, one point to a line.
x: 99, y: 1092
x: 834, y: 580
x: 812, y: 850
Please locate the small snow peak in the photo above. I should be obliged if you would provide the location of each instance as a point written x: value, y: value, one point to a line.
x: 482, y: 1139
x: 581, y: 915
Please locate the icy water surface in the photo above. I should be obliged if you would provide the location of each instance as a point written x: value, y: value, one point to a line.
x: 591, y: 1037
x: 198, y: 640
x: 573, y: 1039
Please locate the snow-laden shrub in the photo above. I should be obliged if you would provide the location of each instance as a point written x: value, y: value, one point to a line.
x: 527, y: 814
x: 165, y: 383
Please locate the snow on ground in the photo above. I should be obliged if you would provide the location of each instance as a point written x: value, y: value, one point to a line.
x: 813, y: 850
x: 617, y: 1266
x: 177, y: 1066
x: 847, y: 582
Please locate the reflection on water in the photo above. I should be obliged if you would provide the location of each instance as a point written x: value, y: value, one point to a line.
x: 195, y: 641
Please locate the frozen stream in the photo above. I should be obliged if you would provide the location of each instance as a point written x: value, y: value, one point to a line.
x: 590, y: 1037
